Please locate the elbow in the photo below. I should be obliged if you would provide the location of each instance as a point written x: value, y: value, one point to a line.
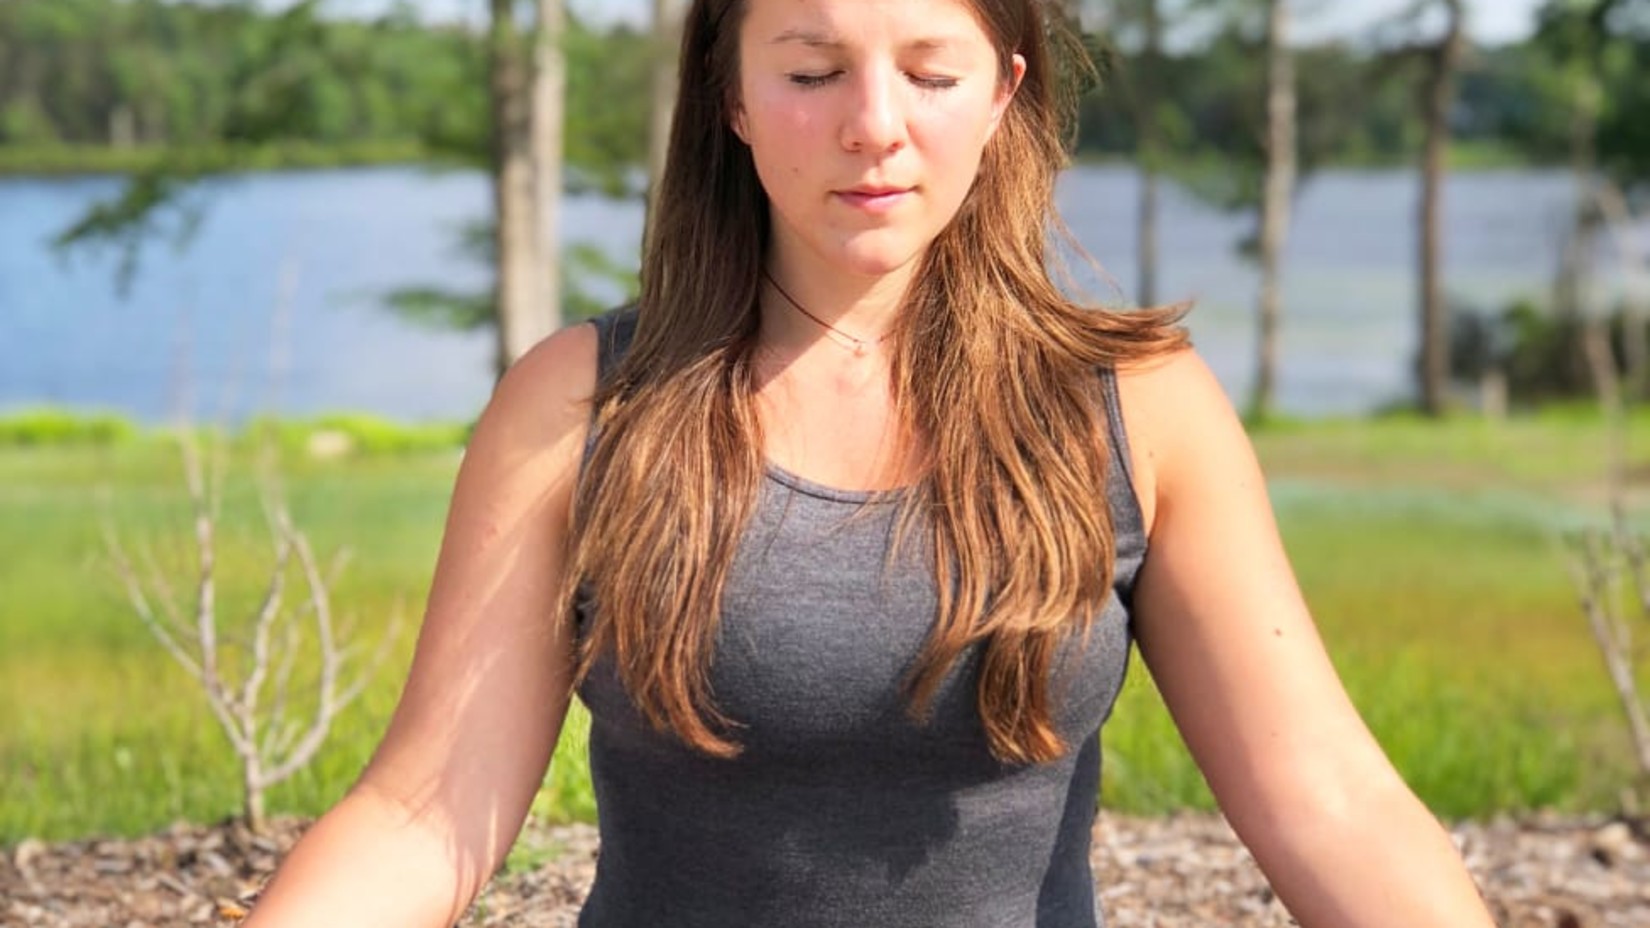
x: 1308, y: 805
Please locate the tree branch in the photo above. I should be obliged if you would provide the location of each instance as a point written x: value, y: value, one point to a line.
x: 140, y: 602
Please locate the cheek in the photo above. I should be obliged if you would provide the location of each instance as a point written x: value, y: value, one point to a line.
x: 779, y: 126
x: 955, y: 137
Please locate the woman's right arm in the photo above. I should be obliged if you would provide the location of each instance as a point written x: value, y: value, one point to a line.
x: 444, y: 797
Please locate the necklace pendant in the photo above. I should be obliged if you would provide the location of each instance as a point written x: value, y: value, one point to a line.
x: 859, y: 349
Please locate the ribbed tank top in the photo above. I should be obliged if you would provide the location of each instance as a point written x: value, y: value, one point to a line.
x: 841, y: 811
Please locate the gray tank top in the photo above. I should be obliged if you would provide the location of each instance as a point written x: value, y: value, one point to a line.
x: 843, y: 812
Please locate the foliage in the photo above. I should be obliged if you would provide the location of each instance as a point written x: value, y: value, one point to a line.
x: 357, y: 434
x: 1211, y: 111
x: 38, y: 427
x: 333, y: 434
x: 144, y: 72
x: 148, y: 75
x: 232, y: 79
x: 1357, y: 101
x: 592, y: 281
x: 1539, y: 352
x: 609, y: 91
x: 295, y: 78
x: 1587, y: 60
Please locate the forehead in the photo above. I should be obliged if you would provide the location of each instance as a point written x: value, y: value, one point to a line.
x: 835, y: 24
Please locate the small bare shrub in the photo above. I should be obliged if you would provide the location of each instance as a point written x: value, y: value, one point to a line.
x: 275, y: 679
x: 1611, y: 565
x: 1612, y: 574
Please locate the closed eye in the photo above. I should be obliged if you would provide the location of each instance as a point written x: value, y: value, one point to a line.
x: 820, y: 80
x: 813, y: 80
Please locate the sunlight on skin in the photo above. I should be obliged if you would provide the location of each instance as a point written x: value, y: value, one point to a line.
x: 489, y: 686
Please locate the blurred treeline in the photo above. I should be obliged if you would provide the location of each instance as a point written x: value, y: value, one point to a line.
x: 81, y: 78
x: 77, y: 76
x: 1359, y: 98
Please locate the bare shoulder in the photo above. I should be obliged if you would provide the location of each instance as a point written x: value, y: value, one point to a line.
x: 546, y: 393
x: 490, y: 674
x: 1177, y: 417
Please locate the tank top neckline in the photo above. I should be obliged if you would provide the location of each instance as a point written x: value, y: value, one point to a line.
x: 803, y: 485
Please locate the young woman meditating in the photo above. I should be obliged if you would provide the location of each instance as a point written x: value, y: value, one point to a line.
x: 844, y: 534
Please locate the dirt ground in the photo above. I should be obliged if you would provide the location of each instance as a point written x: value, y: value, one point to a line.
x: 1163, y: 873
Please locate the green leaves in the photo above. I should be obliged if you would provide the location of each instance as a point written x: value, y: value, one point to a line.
x: 1592, y: 56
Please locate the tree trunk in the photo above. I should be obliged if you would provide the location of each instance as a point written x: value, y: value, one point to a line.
x: 1571, y: 294
x: 549, y: 106
x: 1148, y: 73
x: 1432, y: 364
x: 1275, y: 208
x: 667, y: 36
x: 252, y: 795
x: 517, y: 231
x: 123, y: 126
x: 1616, y: 212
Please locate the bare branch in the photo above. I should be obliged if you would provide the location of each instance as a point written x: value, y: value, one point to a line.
x: 239, y: 664
x: 327, y: 685
x: 1638, y: 568
x: 268, y: 611
x: 335, y: 569
x: 280, y: 737
x: 1609, y: 564
x: 1592, y: 581
x: 140, y: 602
x: 380, y: 655
x: 283, y: 676
x: 165, y: 593
x: 206, y: 631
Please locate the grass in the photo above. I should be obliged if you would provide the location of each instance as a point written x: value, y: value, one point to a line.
x: 1454, y: 627
x: 1426, y: 550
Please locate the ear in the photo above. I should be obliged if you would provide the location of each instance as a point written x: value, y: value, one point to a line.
x: 1006, y: 92
x: 736, y: 122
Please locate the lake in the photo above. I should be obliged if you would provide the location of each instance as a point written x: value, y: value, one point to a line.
x: 277, y: 303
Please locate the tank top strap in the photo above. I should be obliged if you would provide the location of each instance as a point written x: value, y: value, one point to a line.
x: 1117, y: 437
x: 1128, y: 522
x: 615, y: 330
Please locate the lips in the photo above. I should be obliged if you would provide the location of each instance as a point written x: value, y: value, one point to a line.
x: 875, y: 199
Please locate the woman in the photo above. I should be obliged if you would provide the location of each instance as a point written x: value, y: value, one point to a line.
x: 847, y: 552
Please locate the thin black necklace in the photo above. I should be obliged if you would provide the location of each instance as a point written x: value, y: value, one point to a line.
x: 857, y: 345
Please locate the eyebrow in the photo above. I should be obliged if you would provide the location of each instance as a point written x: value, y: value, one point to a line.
x: 814, y: 38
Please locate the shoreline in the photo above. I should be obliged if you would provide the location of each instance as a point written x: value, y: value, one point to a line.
x: 69, y: 161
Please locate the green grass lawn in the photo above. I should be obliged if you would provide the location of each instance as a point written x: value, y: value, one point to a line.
x: 1428, y: 552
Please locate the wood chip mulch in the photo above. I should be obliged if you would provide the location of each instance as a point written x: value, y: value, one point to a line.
x: 1174, y: 872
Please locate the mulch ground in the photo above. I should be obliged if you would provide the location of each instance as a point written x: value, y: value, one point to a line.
x: 1164, y: 873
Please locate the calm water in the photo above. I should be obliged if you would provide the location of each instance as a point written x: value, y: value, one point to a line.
x: 327, y: 246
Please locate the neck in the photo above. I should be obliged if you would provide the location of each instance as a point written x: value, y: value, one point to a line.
x: 802, y: 305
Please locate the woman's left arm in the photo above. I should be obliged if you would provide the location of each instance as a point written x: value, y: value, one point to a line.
x: 1226, y: 633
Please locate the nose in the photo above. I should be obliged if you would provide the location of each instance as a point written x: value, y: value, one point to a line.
x: 875, y: 120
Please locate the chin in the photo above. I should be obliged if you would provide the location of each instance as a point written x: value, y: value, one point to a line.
x: 879, y: 259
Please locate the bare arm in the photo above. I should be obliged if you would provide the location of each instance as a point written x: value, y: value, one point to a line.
x: 446, y: 793
x: 1226, y: 633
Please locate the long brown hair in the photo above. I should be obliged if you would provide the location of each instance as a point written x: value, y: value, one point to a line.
x: 992, y: 366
